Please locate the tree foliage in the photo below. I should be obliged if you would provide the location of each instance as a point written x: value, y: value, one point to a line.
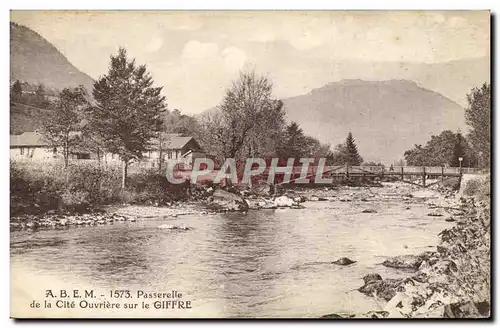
x: 248, y: 122
x: 295, y: 143
x: 346, y: 153
x: 60, y: 124
x: 129, y: 111
x: 478, y: 117
x: 32, y: 96
x: 16, y: 92
x: 351, y: 151
x: 443, y: 149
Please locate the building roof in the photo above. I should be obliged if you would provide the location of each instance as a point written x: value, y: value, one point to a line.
x: 33, y: 139
x: 174, y: 141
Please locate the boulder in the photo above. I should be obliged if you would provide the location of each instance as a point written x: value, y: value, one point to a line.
x: 315, y: 198
x: 335, y: 316
x: 371, y: 277
x: 299, y: 199
x: 401, y: 303
x: 385, y: 289
x: 174, y: 227
x: 435, y: 214
x: 262, y: 190
x: 344, y: 261
x: 284, y: 201
x: 466, y: 310
x: 223, y: 200
x: 404, y: 262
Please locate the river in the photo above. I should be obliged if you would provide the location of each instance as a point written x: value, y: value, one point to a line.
x: 264, y: 263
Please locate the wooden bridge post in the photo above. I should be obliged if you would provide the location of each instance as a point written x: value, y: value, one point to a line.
x: 423, y: 177
x: 347, y: 171
x: 402, y: 173
x: 442, y: 173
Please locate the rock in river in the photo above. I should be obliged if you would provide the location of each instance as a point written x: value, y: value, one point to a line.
x: 174, y: 227
x: 284, y: 201
x: 344, y: 261
x: 404, y: 262
x: 225, y: 201
x: 386, y: 289
x: 371, y: 277
x: 435, y: 214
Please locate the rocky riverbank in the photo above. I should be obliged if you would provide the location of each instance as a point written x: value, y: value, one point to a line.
x: 54, y: 220
x: 207, y: 200
x: 451, y: 282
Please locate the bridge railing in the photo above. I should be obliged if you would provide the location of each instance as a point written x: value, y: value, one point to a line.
x: 404, y: 169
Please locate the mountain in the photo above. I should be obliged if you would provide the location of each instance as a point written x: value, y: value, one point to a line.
x: 385, y: 117
x: 453, y: 79
x: 36, y: 61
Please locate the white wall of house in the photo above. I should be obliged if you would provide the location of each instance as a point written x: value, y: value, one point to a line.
x: 41, y: 154
x: 34, y: 153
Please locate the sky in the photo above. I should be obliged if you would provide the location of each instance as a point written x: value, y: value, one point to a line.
x: 195, y: 55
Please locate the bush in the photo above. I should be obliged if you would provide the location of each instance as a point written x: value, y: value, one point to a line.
x: 34, y: 189
x: 38, y: 188
x: 473, y: 187
x: 75, y: 201
x: 452, y: 183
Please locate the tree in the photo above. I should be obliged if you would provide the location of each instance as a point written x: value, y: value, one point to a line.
x: 38, y: 99
x: 176, y: 122
x: 244, y: 106
x: 442, y: 149
x: 129, y: 110
x: 316, y: 149
x: 459, y: 151
x: 339, y: 155
x: 478, y: 117
x: 248, y: 122
x: 351, y: 151
x: 16, y: 92
x: 62, y: 122
x: 416, y: 156
x: 295, y: 144
x: 268, y: 133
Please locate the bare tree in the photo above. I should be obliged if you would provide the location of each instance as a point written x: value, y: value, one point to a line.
x: 246, y: 120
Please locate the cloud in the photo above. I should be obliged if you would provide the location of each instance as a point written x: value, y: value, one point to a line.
x: 154, y: 44
x: 196, y: 50
x: 234, y: 58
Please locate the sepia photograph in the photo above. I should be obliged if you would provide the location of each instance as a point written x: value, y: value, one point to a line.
x: 217, y: 164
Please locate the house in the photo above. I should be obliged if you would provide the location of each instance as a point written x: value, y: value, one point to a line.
x: 174, y: 148
x: 33, y: 146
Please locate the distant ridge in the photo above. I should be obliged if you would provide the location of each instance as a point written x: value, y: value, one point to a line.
x: 385, y: 117
x: 36, y: 61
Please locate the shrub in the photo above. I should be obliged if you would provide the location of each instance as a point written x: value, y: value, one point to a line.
x: 33, y: 189
x: 75, y: 201
x: 473, y: 187
x: 39, y: 188
x: 452, y: 183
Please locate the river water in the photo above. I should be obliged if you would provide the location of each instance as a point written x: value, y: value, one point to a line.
x: 266, y: 263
